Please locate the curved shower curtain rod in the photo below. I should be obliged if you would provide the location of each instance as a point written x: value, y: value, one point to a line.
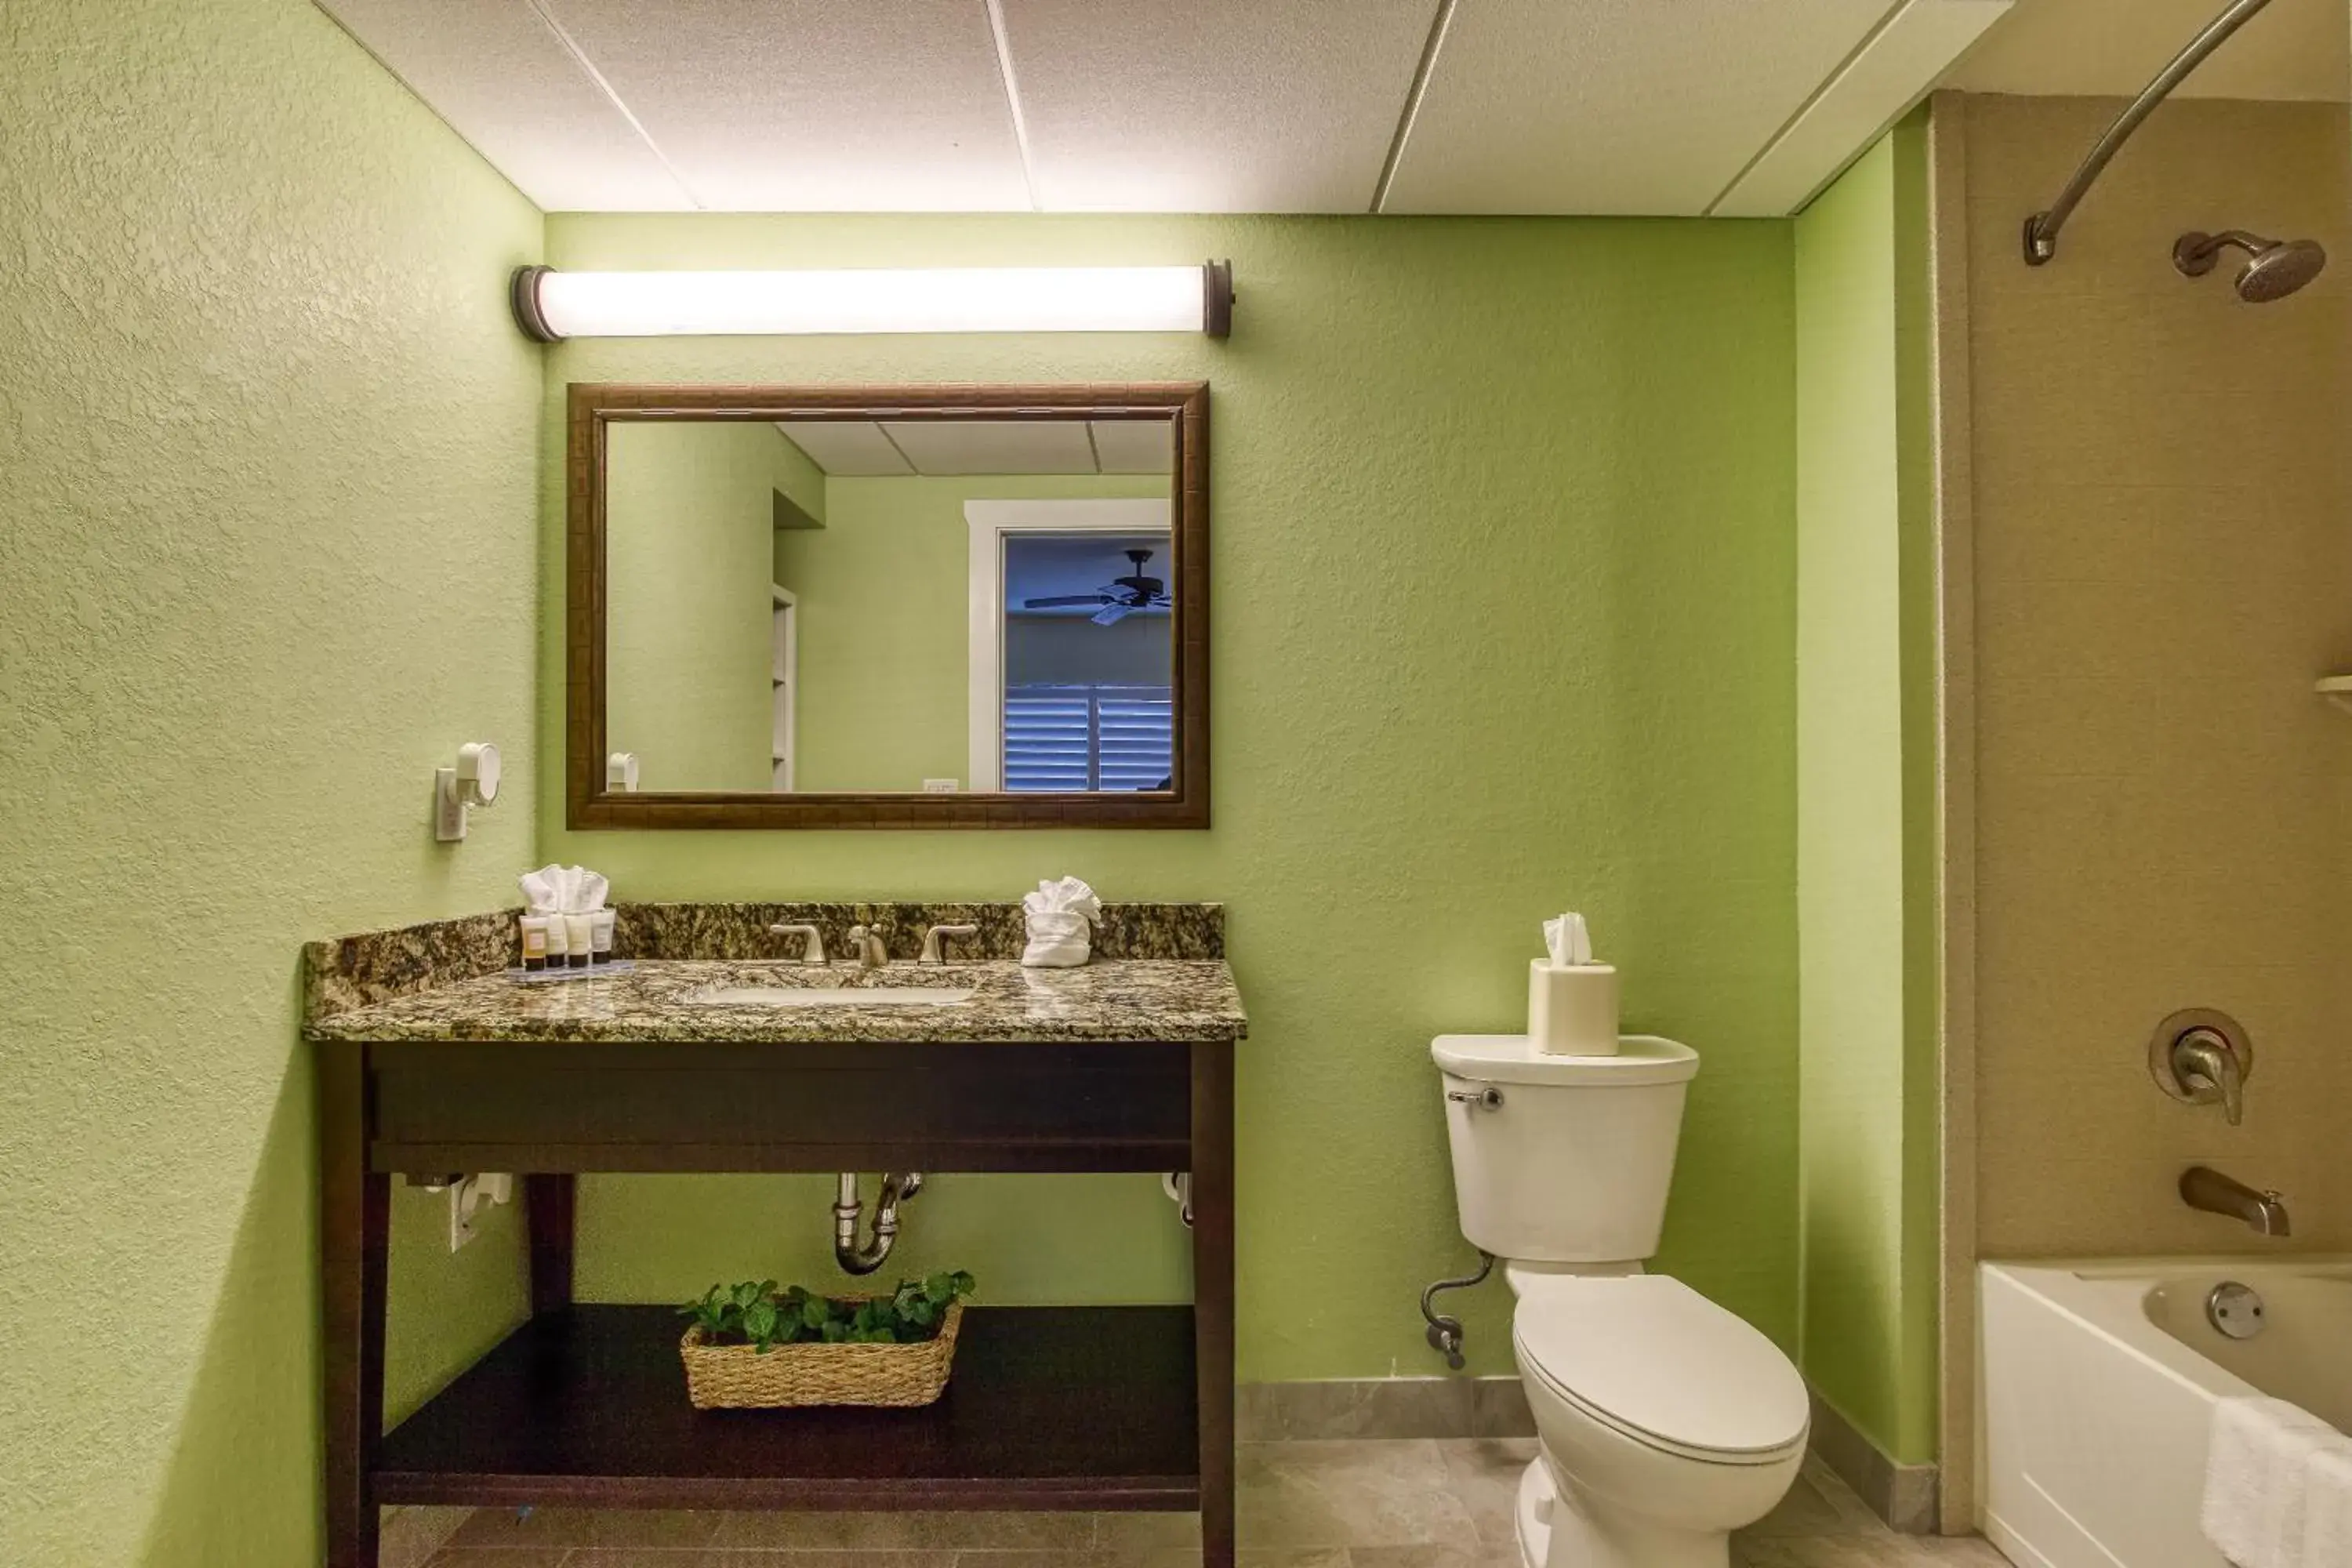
x: 2042, y: 228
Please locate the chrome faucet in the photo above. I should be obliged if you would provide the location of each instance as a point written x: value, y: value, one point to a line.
x: 867, y: 945
x: 812, y: 940
x: 2204, y: 1188
x: 935, y: 941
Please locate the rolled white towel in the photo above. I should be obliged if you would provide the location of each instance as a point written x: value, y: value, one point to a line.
x: 2256, y: 1493
x: 2327, y: 1504
x: 1061, y: 916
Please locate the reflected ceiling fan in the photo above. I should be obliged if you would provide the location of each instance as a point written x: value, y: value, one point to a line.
x: 1118, y: 598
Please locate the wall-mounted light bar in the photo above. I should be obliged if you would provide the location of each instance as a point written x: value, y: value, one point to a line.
x: 551, y: 305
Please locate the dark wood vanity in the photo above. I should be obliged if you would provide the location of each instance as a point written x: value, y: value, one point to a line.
x: 1077, y: 1407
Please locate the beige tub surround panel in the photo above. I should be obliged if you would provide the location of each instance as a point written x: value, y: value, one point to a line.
x: 2162, y: 496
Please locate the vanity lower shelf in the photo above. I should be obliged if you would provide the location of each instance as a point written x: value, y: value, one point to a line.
x: 1049, y: 1408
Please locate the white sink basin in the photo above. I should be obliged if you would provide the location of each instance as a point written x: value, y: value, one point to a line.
x: 832, y: 996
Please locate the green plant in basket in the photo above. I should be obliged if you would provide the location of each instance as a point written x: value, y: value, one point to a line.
x: 756, y: 1314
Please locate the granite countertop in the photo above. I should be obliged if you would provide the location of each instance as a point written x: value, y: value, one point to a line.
x: 1137, y: 999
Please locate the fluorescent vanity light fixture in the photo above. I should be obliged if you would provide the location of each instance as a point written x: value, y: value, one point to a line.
x: 551, y: 305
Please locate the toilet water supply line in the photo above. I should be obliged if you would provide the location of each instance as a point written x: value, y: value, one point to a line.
x: 1445, y: 1334
x: 854, y: 1257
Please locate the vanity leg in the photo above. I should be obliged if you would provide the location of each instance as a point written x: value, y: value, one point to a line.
x: 550, y: 1206
x: 1212, y: 1290
x: 354, y: 1221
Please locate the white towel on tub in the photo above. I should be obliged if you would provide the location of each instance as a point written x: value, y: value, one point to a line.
x: 2258, y: 1482
x: 2328, y: 1503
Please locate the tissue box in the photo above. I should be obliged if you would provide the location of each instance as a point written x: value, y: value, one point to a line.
x: 1572, y: 1008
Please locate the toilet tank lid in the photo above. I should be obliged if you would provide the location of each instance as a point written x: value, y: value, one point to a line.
x: 1513, y: 1058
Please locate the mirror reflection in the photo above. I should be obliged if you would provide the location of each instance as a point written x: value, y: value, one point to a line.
x: 818, y: 605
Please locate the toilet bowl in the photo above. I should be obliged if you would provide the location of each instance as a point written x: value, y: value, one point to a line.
x: 1664, y: 1421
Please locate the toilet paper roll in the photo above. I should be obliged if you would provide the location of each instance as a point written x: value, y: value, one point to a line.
x: 1572, y: 1008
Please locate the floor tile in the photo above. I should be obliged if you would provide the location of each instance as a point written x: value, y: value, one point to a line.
x: 1474, y: 1556
x: 1147, y: 1533
x: 1483, y: 1474
x: 1814, y: 1508
x: 1392, y: 1493
x: 1888, y: 1551
x: 1411, y: 1504
x: 910, y: 1531
x: 496, y: 1557
x: 617, y: 1527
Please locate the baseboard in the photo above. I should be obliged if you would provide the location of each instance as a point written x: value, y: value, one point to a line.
x: 1902, y: 1495
x: 1382, y: 1407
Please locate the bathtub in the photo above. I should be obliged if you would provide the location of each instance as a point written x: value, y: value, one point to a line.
x: 2096, y: 1380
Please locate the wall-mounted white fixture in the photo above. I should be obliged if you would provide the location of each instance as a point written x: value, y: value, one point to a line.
x: 621, y: 772
x: 467, y: 1194
x: 473, y: 781
x: 2336, y: 688
x: 551, y: 305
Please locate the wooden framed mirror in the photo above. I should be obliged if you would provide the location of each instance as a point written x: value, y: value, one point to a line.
x: 887, y: 606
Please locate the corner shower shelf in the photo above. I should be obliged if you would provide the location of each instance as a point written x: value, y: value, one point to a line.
x: 2336, y: 688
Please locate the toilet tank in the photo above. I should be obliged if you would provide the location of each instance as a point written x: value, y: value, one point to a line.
x: 1563, y: 1159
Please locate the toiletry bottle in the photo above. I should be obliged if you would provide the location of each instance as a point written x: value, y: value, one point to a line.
x: 534, y: 944
x: 600, y: 936
x: 576, y: 941
x: 556, y: 947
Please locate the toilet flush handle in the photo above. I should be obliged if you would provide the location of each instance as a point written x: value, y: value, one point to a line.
x: 1488, y: 1099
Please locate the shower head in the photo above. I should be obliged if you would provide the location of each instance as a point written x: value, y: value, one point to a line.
x: 2275, y: 268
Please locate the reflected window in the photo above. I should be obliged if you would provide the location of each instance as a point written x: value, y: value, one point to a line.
x: 1088, y: 650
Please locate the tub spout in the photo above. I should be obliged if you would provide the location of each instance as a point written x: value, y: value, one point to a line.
x: 2204, y: 1188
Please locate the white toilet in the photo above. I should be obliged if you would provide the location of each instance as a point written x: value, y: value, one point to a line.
x: 1666, y: 1422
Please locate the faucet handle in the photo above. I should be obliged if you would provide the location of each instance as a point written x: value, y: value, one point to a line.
x: 935, y: 941
x: 813, y: 947
x: 2199, y: 1056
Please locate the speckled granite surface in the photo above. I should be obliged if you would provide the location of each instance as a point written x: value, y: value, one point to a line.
x: 1113, y: 999
x: 349, y: 972
x: 741, y: 931
x: 358, y: 971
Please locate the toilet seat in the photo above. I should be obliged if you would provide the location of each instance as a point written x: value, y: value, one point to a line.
x: 1656, y: 1361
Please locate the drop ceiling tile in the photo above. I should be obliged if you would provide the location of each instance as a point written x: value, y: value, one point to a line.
x: 2293, y: 50
x: 1614, y: 106
x: 506, y: 83
x: 845, y: 448
x: 814, y: 105
x: 994, y: 446
x: 1887, y: 78
x: 1135, y: 446
x: 1212, y: 105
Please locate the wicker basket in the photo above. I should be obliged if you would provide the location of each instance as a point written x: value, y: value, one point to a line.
x: 740, y: 1377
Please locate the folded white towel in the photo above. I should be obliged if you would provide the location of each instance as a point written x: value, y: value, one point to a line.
x: 1066, y: 895
x: 563, y: 889
x: 2327, y: 1504
x: 1061, y: 918
x: 2257, y: 1488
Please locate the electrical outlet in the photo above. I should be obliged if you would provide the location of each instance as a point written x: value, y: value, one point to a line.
x: 941, y: 787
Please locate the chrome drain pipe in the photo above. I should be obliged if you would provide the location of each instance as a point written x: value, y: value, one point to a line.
x: 854, y: 1257
x: 1445, y: 1333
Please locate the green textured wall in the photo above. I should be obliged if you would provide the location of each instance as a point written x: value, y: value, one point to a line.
x: 690, y: 622
x: 269, y: 554
x: 885, y: 600
x: 1864, y: 834
x: 1503, y: 586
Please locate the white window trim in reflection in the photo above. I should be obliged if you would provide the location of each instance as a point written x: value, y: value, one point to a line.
x: 551, y: 305
x: 990, y: 521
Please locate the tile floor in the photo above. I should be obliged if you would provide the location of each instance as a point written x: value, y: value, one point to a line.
x: 1430, y: 1503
